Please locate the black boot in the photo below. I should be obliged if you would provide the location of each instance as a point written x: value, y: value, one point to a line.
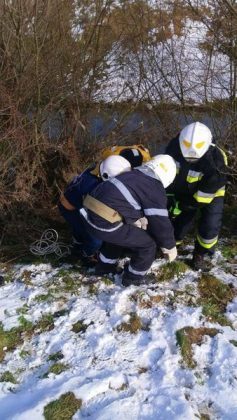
x: 103, y: 268
x: 201, y: 262
x: 89, y: 261
x: 78, y: 255
x: 129, y: 278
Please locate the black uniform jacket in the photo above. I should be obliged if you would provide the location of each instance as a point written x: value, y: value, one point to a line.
x: 198, y: 182
x: 134, y: 195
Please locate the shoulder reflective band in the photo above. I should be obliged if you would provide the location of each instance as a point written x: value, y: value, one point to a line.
x: 156, y: 212
x: 224, y: 155
x: 207, y: 243
x: 194, y: 176
x: 124, y: 191
x: 202, y: 197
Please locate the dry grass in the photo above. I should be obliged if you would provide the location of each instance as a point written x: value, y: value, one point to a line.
x: 132, y: 326
x: 214, y: 297
x: 170, y: 270
x: 62, y: 409
x: 188, y: 336
x: 79, y: 327
x: 7, y: 377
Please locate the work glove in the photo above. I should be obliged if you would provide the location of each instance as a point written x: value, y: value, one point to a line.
x: 175, y: 209
x: 173, y: 206
x: 141, y: 223
x: 170, y: 254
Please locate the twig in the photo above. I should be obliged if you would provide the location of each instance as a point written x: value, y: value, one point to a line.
x: 3, y: 232
x: 15, y: 258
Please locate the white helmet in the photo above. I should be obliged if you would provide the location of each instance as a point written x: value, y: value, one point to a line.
x: 113, y: 166
x: 164, y: 168
x: 195, y: 139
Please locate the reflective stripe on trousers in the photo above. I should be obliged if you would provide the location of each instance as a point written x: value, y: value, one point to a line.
x: 207, y: 243
x: 202, y: 197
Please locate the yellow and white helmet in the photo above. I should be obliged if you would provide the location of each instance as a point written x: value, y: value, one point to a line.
x: 135, y: 154
x: 194, y: 140
x: 163, y: 167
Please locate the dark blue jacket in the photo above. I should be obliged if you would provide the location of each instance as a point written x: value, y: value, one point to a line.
x: 80, y: 186
x: 134, y: 195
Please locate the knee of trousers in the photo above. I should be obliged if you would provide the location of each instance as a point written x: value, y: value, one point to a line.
x: 143, y: 259
x: 152, y: 249
x: 149, y: 249
x: 210, y: 228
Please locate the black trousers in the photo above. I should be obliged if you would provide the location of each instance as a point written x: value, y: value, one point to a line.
x: 132, y: 238
x: 209, y: 220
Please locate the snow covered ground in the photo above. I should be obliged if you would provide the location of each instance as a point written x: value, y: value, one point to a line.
x: 119, y: 371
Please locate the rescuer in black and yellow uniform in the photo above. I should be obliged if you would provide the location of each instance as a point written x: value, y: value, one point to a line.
x: 199, y: 185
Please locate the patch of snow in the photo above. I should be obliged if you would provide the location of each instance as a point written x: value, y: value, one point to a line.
x: 116, y: 372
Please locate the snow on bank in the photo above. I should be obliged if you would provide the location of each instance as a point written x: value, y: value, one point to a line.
x: 116, y: 373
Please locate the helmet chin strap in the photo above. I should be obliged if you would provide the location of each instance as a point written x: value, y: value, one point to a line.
x: 191, y: 160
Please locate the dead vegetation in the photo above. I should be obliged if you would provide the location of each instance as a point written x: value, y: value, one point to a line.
x: 79, y: 327
x: 170, y: 270
x: 188, y: 336
x: 146, y: 301
x: 214, y: 297
x: 133, y: 326
x: 63, y: 408
x: 56, y: 369
x: 8, y: 377
x: 11, y: 339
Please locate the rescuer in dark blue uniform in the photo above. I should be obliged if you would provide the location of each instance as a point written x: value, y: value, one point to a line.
x: 130, y: 212
x: 69, y: 205
x: 84, y: 244
x: 199, y: 185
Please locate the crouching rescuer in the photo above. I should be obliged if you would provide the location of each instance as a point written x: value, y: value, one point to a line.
x: 85, y: 244
x: 115, y: 160
x: 129, y: 212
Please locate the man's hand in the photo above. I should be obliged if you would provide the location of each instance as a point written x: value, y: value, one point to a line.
x: 170, y: 254
x: 141, y: 223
